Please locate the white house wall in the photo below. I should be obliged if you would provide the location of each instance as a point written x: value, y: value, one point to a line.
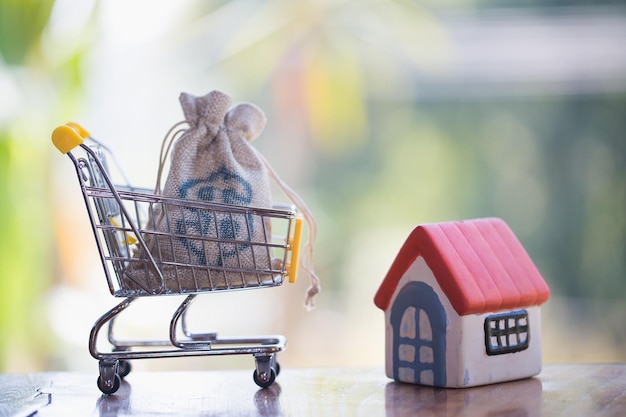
x: 478, y: 368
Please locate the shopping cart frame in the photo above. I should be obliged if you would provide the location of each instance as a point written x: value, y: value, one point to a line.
x: 99, y: 193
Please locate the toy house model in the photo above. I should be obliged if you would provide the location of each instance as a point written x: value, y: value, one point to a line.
x: 461, y: 303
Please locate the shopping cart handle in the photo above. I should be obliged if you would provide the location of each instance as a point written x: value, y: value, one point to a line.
x: 79, y: 129
x: 294, y: 247
x: 68, y: 136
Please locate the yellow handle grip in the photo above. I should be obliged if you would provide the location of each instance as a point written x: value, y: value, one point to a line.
x: 66, y: 138
x: 294, y: 247
x: 79, y: 129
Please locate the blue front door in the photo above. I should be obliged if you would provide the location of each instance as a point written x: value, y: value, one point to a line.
x: 418, y: 320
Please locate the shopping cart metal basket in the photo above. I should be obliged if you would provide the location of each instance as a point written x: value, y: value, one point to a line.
x: 122, y: 221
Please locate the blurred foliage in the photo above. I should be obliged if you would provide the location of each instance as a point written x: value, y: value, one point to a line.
x: 21, y: 25
x: 552, y: 167
x: 39, y: 86
x: 320, y: 59
x: 22, y: 247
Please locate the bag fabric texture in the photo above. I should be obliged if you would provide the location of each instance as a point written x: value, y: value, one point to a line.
x: 212, y: 161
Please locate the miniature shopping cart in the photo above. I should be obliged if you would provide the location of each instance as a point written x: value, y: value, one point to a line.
x: 122, y: 220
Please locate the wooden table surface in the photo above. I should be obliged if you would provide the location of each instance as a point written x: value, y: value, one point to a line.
x: 560, y: 390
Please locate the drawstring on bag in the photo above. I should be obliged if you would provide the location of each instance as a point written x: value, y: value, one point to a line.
x: 166, y: 146
x: 306, y: 262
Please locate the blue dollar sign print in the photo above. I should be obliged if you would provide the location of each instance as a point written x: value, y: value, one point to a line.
x: 222, y: 186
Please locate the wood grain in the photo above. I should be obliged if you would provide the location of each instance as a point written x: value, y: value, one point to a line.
x: 22, y: 394
x: 560, y: 390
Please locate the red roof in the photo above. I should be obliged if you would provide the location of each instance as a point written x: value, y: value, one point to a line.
x: 479, y: 264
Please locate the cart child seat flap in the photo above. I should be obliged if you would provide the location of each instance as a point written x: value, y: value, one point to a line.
x: 213, y: 160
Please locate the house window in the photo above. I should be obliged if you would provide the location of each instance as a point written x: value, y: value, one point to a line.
x: 507, y: 332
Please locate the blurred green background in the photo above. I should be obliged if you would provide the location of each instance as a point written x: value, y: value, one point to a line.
x: 382, y: 114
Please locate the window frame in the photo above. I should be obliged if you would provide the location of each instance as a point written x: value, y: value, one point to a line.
x: 502, y: 331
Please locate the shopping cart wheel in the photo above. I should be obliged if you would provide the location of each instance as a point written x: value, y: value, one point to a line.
x: 109, y: 388
x: 264, y: 380
x: 124, y: 368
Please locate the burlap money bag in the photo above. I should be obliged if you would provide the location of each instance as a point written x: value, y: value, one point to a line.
x: 212, y: 161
